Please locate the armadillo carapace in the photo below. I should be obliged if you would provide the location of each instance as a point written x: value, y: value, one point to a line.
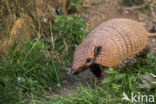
x: 110, y: 43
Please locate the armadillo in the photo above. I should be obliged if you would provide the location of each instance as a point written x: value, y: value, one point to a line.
x: 109, y: 44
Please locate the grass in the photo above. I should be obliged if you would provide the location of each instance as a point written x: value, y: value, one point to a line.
x: 36, y: 67
x: 28, y: 77
x: 75, y: 5
x: 119, y: 81
x: 27, y: 71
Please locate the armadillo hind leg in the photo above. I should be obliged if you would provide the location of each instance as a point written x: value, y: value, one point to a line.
x: 144, y: 52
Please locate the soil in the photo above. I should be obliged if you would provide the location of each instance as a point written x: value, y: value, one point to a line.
x: 94, y: 13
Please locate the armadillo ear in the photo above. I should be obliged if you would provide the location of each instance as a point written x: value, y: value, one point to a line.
x: 97, y: 50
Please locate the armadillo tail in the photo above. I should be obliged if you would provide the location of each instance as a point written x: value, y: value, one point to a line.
x: 151, y: 35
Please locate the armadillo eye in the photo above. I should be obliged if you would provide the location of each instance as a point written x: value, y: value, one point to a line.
x: 89, y: 60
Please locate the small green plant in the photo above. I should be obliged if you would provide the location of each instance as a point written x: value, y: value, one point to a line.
x: 76, y: 5
x: 114, y: 76
x: 70, y: 31
x: 148, y: 6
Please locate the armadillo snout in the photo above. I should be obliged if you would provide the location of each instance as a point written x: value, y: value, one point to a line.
x: 76, y: 71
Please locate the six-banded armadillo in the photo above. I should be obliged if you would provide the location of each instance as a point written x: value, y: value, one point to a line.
x: 109, y: 44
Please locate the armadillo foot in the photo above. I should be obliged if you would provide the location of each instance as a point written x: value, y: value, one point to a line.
x: 103, y: 75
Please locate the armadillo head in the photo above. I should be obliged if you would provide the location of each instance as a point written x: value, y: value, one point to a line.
x: 84, y: 57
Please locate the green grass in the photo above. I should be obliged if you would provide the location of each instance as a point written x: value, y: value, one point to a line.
x: 75, y: 5
x: 119, y: 81
x: 28, y: 71
x: 34, y: 68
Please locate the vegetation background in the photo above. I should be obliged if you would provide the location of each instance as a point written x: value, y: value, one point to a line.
x: 38, y: 38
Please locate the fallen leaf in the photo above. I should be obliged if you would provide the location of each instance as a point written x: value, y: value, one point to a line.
x: 148, y: 80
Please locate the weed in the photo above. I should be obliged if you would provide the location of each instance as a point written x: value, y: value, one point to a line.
x: 148, y: 6
x: 70, y: 31
x: 75, y: 5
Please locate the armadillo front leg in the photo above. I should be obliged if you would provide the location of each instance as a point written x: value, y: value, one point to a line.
x: 99, y: 72
x: 145, y: 51
x: 103, y: 75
